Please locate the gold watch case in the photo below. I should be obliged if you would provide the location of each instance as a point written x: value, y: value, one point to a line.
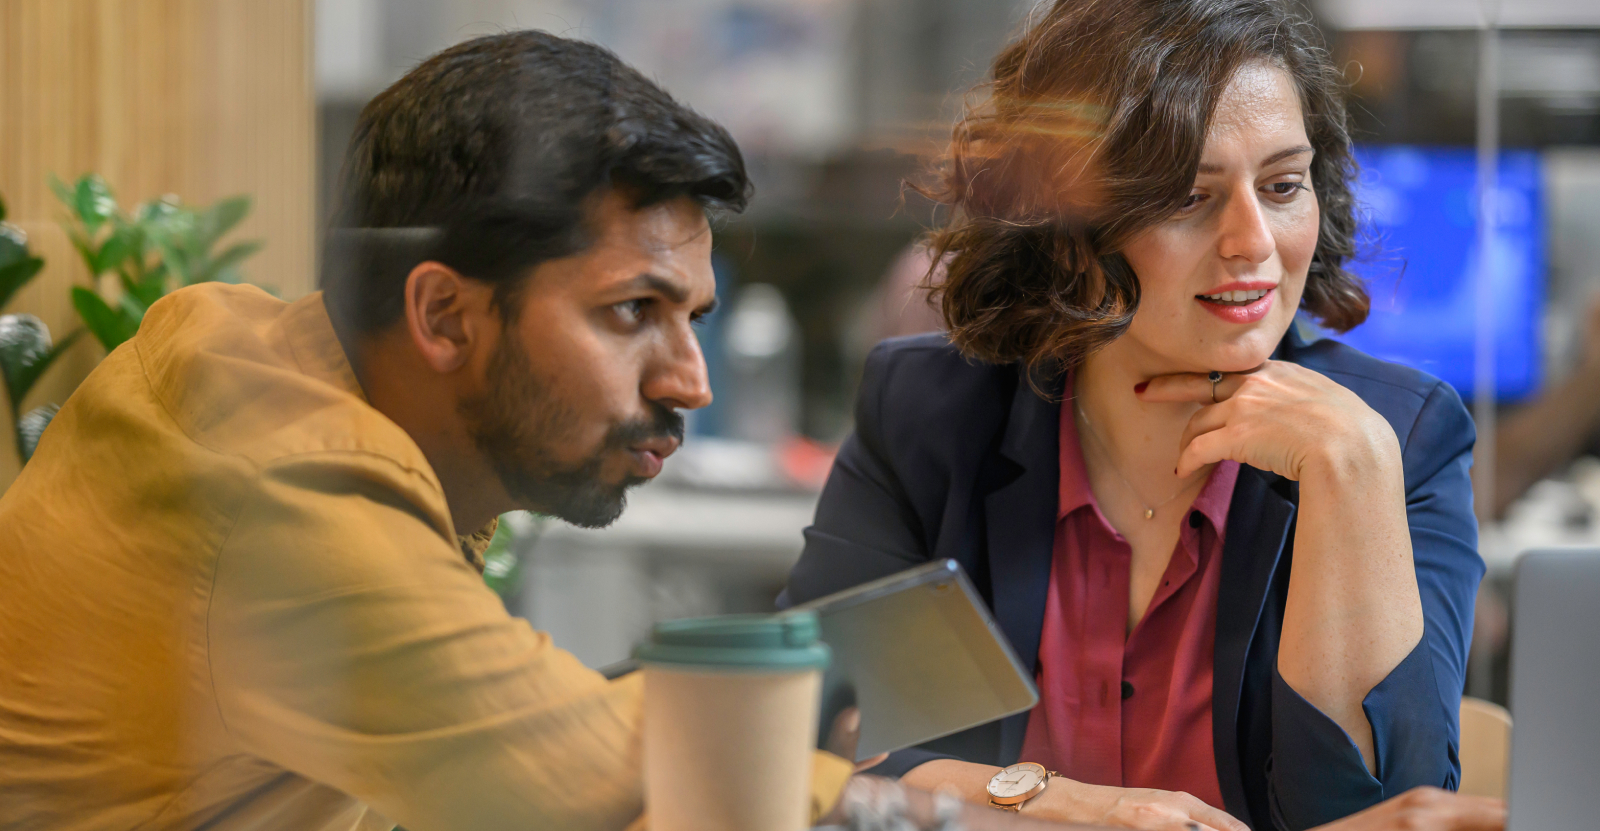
x: 1011, y: 798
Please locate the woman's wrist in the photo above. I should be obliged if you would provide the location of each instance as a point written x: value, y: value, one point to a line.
x: 1355, y: 459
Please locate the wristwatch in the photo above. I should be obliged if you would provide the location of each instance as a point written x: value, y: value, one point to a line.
x: 1015, y: 785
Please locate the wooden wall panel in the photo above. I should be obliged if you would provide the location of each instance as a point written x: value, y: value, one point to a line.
x: 201, y: 98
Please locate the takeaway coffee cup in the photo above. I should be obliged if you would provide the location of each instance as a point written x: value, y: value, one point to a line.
x: 730, y: 720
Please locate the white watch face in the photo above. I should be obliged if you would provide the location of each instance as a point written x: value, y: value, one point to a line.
x: 1016, y: 781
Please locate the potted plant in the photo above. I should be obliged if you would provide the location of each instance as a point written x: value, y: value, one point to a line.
x: 159, y: 246
x: 26, y: 350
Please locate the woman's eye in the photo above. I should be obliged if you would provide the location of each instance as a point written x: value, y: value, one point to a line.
x: 1285, y: 188
x: 1193, y: 200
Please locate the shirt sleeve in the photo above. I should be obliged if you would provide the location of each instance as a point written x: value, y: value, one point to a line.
x: 1317, y: 775
x: 351, y: 643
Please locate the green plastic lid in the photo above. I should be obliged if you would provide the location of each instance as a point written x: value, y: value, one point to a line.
x: 738, y: 642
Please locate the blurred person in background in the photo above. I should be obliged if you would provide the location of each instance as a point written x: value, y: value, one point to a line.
x: 240, y: 581
x: 1241, y: 565
x: 1540, y: 437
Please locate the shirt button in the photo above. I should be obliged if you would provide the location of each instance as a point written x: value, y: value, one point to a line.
x: 1195, y: 518
x: 1127, y: 690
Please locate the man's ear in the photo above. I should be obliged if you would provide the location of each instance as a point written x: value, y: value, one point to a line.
x: 447, y: 315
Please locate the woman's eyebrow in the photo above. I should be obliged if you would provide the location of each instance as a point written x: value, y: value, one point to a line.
x: 1270, y: 160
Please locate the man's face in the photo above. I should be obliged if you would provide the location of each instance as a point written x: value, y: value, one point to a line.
x: 581, y: 394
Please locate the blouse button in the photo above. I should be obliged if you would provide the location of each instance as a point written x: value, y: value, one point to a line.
x: 1195, y: 518
x: 1127, y: 690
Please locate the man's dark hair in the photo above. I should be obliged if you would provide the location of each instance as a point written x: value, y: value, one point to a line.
x: 484, y: 158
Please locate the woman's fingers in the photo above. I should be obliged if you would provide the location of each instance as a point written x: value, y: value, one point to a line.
x: 1205, y: 449
x: 1207, y: 816
x: 1185, y: 387
x: 1205, y: 420
x: 1193, y: 387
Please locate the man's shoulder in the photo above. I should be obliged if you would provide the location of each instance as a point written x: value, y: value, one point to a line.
x: 245, y: 374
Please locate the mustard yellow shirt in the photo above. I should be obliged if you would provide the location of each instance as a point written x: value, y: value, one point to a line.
x: 231, y: 597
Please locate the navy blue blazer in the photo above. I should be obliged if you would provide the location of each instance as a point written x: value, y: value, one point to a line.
x: 957, y: 458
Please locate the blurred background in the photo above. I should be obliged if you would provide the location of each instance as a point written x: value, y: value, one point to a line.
x: 835, y: 103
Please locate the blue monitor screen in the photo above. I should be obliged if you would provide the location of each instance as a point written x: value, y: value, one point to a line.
x: 1419, y: 204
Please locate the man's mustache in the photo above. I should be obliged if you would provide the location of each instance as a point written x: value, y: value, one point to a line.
x: 663, y: 422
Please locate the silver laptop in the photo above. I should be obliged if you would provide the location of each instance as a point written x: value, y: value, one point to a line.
x: 1555, y: 692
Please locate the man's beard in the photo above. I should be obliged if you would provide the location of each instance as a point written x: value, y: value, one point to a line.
x: 516, y: 423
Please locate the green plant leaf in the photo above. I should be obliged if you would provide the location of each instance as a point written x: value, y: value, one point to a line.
x: 61, y: 190
x: 125, y: 242
x: 16, y: 275
x: 175, y: 260
x: 224, y: 266
x: 30, y: 428
x: 159, y: 210
x: 109, y: 326
x: 25, y: 350
x: 219, y: 219
x: 145, y: 292
x: 2, y: 209
x: 93, y: 202
x: 33, y: 367
x: 17, y: 264
x: 13, y: 244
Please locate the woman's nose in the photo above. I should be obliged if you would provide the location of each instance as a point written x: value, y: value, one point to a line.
x: 1245, y: 233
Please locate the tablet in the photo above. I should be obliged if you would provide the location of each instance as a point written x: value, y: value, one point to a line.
x: 920, y: 655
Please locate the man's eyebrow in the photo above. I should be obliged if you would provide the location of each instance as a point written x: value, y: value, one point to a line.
x: 1270, y: 160
x: 656, y: 283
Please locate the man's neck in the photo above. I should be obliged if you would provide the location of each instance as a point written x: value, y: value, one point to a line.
x: 400, y: 386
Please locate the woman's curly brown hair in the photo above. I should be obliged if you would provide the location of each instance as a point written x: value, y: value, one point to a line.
x: 1091, y: 131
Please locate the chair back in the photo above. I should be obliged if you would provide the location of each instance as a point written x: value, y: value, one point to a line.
x: 1485, y: 748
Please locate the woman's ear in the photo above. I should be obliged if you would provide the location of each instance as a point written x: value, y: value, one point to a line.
x: 447, y: 315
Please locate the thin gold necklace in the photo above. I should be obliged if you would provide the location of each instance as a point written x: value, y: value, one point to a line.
x: 1149, y: 510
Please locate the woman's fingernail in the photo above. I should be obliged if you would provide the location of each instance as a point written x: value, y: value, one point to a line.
x: 1139, y: 387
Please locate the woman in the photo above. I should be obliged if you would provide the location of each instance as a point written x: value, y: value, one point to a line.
x: 1241, y: 563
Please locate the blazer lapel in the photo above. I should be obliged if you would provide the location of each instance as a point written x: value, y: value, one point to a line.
x: 1020, y: 520
x: 1257, y: 530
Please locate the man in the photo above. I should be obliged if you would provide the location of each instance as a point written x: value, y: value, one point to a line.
x: 234, y: 590
x: 239, y: 581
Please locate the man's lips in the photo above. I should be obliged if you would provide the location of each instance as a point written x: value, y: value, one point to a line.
x: 651, y: 454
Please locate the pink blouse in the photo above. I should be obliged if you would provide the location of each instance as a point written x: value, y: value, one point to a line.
x: 1130, y: 709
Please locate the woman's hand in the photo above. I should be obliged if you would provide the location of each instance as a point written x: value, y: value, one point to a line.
x: 1143, y: 808
x: 1427, y: 809
x: 1280, y: 417
x: 1067, y: 800
x: 1353, y: 610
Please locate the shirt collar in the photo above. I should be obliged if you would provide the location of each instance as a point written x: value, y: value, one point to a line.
x: 320, y: 355
x: 316, y: 346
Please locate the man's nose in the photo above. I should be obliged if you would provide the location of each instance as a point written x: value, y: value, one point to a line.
x: 1245, y: 232
x: 679, y: 379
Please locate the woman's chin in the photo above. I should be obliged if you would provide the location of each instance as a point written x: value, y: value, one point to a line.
x: 1234, y: 357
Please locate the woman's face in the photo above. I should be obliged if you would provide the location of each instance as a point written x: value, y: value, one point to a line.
x: 1220, y: 280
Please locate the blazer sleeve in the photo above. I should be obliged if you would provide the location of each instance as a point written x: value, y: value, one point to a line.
x: 1316, y: 774
x: 865, y: 525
